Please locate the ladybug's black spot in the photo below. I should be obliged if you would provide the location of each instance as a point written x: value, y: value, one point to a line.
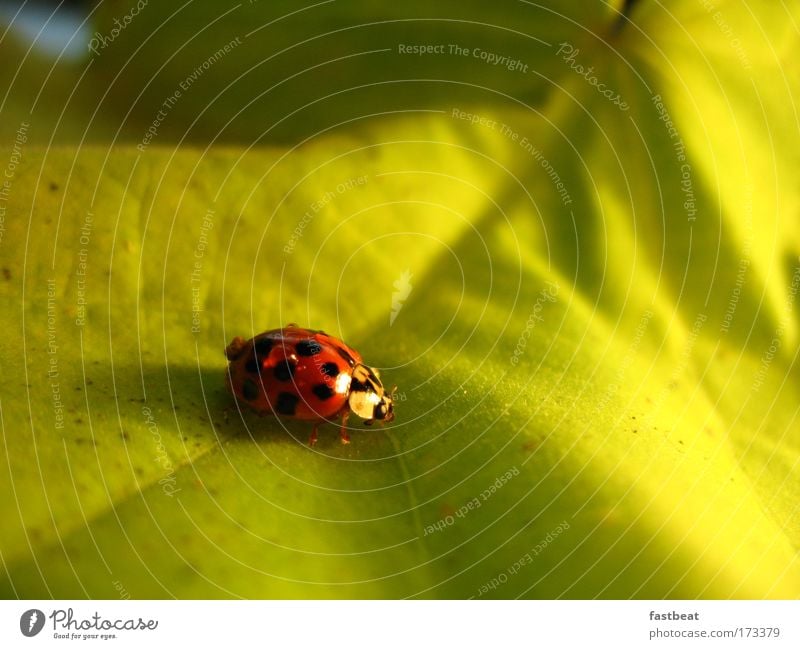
x: 249, y: 390
x: 308, y: 348
x: 287, y: 403
x: 263, y: 346
x: 284, y: 370
x: 261, y: 349
x: 322, y: 391
x: 252, y: 364
x: 343, y: 353
x: 330, y: 369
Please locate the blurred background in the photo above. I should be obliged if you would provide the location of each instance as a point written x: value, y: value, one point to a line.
x: 567, y: 231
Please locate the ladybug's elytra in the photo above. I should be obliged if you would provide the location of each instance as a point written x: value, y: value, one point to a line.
x: 306, y: 374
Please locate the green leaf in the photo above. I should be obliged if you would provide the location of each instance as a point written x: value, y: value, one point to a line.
x: 597, y: 382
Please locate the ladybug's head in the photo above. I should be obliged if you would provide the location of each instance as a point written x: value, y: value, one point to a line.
x: 367, y: 397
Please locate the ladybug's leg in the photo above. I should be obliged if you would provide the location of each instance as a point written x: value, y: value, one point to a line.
x: 343, y: 429
x: 312, y: 440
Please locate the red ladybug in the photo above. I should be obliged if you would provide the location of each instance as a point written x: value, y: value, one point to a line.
x: 305, y: 374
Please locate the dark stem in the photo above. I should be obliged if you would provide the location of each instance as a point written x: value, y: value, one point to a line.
x: 627, y: 8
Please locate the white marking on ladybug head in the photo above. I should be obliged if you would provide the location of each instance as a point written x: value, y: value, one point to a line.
x: 362, y: 403
x: 367, y: 397
x: 342, y: 385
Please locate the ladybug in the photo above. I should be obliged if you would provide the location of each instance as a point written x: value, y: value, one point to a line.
x: 306, y: 374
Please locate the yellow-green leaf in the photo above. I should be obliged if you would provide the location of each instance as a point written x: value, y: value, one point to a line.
x: 589, y: 309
